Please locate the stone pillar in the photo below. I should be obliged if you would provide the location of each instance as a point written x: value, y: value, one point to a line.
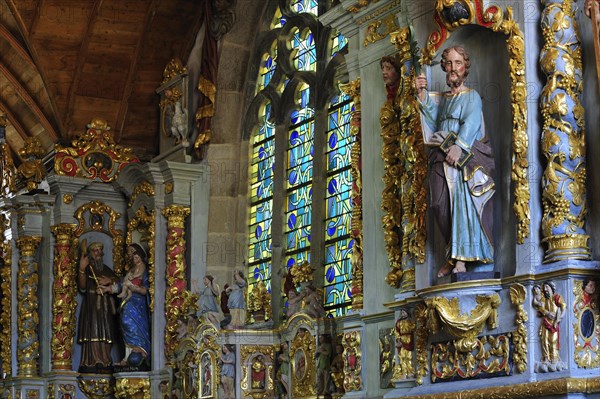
x: 63, y: 295
x: 27, y: 316
x: 563, y: 135
x: 175, y: 300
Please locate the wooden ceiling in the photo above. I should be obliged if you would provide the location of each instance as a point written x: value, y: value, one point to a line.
x: 64, y: 62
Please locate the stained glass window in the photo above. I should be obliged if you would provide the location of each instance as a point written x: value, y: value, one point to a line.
x: 338, y: 215
x: 261, y: 200
x: 313, y: 197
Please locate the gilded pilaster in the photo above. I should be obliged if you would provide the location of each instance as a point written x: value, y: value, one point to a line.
x: 63, y: 295
x: 353, y: 90
x: 5, y: 315
x: 27, y: 315
x: 177, y: 299
x: 404, y: 196
x: 563, y: 135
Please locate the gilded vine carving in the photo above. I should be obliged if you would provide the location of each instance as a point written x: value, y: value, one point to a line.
x: 518, y: 294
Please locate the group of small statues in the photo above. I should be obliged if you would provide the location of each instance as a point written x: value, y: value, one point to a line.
x: 109, y: 300
x: 227, y: 308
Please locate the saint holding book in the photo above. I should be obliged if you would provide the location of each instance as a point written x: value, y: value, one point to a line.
x: 461, y: 165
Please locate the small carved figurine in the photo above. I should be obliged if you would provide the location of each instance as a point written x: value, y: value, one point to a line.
x: 551, y: 309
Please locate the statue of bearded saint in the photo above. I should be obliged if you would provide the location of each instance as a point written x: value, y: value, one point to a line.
x: 97, y: 330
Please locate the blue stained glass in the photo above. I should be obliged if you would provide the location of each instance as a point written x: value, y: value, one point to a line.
x: 330, y: 275
x: 307, y: 6
x: 332, y: 186
x: 338, y: 42
x: 333, y: 140
x: 292, y: 221
x: 258, y: 232
x: 305, y: 53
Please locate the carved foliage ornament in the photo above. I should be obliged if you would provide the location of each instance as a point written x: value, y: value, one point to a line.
x: 6, y: 306
x: 352, y: 361
x: 518, y: 294
x: 404, y: 197
x: 32, y: 170
x: 499, y: 21
x: 95, y: 388
x: 94, y: 155
x: 132, y: 388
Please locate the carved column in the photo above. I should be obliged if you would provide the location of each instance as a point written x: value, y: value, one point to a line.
x: 63, y: 294
x: 563, y: 135
x: 353, y: 90
x: 27, y: 315
x: 6, y: 304
x: 176, y: 297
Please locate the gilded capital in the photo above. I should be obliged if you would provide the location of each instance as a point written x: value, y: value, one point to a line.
x: 63, y: 232
x: 28, y: 244
x: 176, y: 215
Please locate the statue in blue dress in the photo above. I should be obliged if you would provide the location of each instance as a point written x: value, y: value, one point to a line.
x: 134, y: 312
x: 461, y: 165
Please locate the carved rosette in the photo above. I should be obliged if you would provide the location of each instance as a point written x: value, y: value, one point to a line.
x: 177, y: 299
x: 494, y: 18
x: 94, y: 155
x: 6, y: 304
x: 404, y: 196
x: 352, y: 361
x: 563, y: 135
x: 64, y: 291
x: 144, y: 222
x: 248, y: 354
x: 132, y: 388
x: 518, y: 293
x: 353, y: 90
x: 27, y: 314
x: 586, y: 325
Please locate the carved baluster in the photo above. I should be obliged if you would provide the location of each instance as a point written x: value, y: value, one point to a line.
x: 27, y: 314
x: 63, y: 294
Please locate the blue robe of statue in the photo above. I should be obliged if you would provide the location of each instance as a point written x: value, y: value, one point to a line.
x: 461, y: 197
x: 135, y: 319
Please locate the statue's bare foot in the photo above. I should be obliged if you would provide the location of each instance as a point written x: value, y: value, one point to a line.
x: 444, y: 270
x: 459, y: 267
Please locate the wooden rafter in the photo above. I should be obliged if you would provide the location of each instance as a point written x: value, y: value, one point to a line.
x: 16, y: 46
x: 31, y: 103
x: 13, y: 120
x: 122, y: 115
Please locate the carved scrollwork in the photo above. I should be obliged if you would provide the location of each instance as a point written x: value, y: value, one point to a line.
x: 465, y: 328
x: 96, y: 222
x: 132, y: 388
x: 352, y: 361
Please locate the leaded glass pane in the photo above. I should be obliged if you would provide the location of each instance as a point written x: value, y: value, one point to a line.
x: 307, y: 6
x: 305, y: 54
x: 338, y: 42
x: 267, y: 68
x: 338, y: 277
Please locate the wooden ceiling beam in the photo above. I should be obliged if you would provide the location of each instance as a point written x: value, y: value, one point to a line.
x: 122, y: 115
x: 13, y: 120
x: 28, y: 99
x: 81, y: 55
x: 16, y: 46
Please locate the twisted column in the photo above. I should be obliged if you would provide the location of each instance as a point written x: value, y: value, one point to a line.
x: 28, y: 348
x: 177, y: 298
x: 563, y: 135
x: 63, y: 295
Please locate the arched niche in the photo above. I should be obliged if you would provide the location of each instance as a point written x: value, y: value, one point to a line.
x: 496, y: 47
